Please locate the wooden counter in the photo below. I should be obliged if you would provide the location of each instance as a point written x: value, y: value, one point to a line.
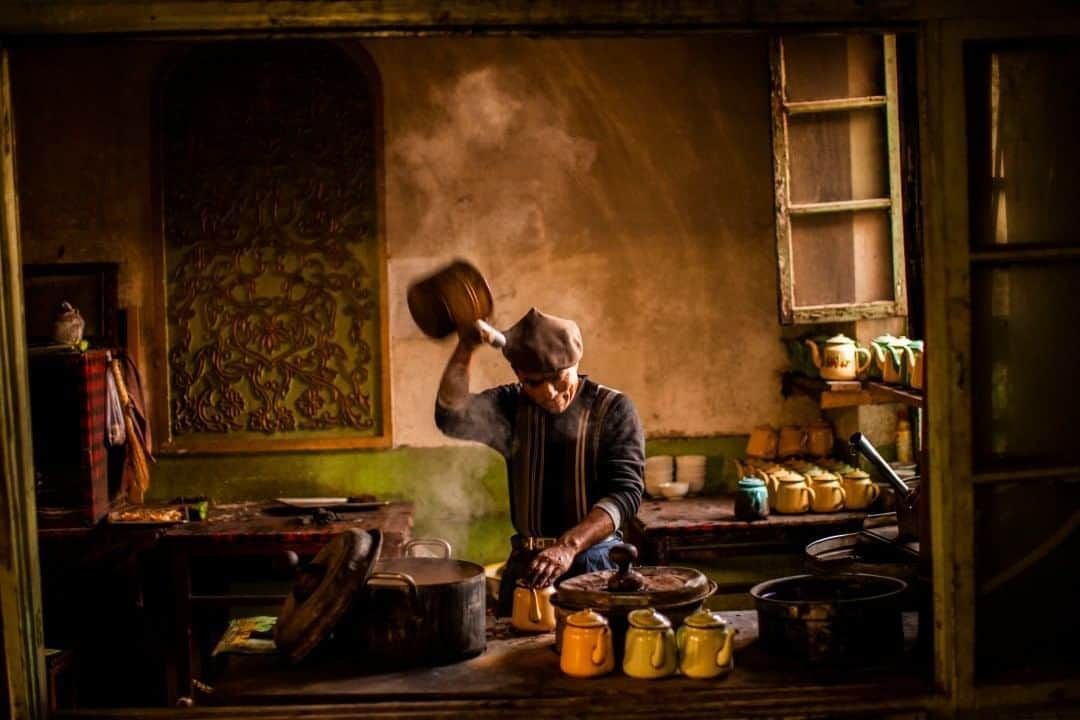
x: 521, y: 676
x: 705, y: 527
x: 238, y: 536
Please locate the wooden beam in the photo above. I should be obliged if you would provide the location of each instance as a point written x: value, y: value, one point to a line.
x: 478, y: 16
x: 804, y: 107
x: 839, y: 206
x: 20, y: 600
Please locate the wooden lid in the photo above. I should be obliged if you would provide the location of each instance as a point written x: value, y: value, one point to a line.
x: 663, y: 586
x: 324, y: 590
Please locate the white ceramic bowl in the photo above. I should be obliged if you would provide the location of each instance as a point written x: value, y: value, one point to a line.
x: 674, y: 490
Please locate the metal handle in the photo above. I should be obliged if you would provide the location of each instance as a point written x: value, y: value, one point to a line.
x: 860, y: 444
x: 431, y: 542
x: 403, y: 578
x: 498, y: 340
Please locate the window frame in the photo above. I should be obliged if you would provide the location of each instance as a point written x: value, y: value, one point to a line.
x: 782, y: 109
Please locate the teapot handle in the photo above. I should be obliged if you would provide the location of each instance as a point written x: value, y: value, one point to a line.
x: 534, y: 606
x: 725, y: 648
x: 842, y: 493
x: 810, y: 495
x: 658, y: 653
x: 875, y: 490
x: 599, y: 653
x: 860, y: 368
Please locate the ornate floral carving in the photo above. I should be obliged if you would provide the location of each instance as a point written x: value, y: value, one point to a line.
x: 270, y: 241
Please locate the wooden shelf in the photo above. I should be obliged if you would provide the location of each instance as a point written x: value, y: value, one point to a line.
x: 839, y: 394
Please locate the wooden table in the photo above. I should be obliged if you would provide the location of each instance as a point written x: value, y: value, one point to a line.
x: 520, y: 676
x: 243, y: 532
x: 705, y: 527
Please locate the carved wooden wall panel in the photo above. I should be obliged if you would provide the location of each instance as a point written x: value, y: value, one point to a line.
x: 271, y: 248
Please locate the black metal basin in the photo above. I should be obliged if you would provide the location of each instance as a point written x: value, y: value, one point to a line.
x: 846, y: 618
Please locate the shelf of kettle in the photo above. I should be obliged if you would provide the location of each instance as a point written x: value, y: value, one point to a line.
x: 826, y: 485
x: 843, y: 373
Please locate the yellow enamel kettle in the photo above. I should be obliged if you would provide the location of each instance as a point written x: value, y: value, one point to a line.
x: 706, y: 645
x: 533, y: 611
x: 587, y: 650
x: 650, y: 646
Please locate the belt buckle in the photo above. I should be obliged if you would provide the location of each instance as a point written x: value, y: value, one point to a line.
x: 537, y: 543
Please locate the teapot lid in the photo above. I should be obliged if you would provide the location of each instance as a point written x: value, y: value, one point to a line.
x: 587, y: 618
x: 857, y: 474
x: 324, y: 591
x: 649, y: 619
x: 885, y: 339
x: 840, y: 339
x: 751, y: 482
x: 705, y: 619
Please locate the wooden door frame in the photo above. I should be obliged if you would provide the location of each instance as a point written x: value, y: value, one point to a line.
x: 946, y: 273
x: 20, y: 599
x: 944, y: 184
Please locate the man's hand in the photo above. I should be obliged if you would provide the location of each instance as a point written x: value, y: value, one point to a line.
x: 550, y: 564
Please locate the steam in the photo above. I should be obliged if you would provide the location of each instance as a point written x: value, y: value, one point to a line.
x: 492, y: 169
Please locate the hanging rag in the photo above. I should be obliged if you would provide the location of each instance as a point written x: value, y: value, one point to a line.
x: 115, y: 434
x: 136, y: 468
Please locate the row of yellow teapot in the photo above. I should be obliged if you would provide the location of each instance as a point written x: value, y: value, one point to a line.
x: 798, y: 486
x: 702, y: 648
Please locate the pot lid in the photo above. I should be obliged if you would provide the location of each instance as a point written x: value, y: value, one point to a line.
x: 324, y: 590
x: 840, y: 339
x: 857, y: 475
x: 649, y: 619
x: 751, y: 482
x: 662, y: 587
x: 705, y: 619
x: 587, y: 619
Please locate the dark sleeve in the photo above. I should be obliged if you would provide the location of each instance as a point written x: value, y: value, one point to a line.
x: 621, y: 460
x: 487, y: 417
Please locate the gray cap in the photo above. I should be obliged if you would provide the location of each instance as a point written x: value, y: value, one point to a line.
x: 540, y: 343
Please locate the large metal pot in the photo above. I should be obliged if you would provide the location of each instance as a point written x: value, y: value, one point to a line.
x: 419, y: 610
x: 386, y: 613
x: 848, y: 618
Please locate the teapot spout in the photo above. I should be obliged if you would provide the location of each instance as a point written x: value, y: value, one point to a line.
x: 814, y: 354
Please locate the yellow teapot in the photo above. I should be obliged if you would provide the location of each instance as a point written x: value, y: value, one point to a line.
x: 828, y: 494
x: 650, y: 646
x: 838, y: 360
x: 706, y: 645
x: 586, y: 645
x: 861, y: 491
x: 793, y: 495
x: 533, y: 611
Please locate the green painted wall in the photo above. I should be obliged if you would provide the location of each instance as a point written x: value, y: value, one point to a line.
x: 460, y: 491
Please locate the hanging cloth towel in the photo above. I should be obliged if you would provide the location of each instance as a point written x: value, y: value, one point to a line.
x: 114, y: 413
x: 136, y: 470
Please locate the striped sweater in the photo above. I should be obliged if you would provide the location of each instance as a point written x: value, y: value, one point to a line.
x: 559, y: 466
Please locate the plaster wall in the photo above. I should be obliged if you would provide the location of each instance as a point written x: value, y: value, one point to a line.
x: 625, y: 183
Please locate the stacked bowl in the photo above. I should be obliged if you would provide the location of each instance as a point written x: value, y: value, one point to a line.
x: 659, y: 470
x: 690, y: 469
